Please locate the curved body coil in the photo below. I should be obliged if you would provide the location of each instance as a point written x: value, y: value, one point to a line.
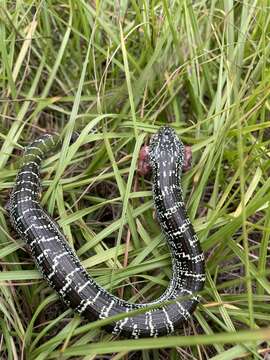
x: 61, y: 267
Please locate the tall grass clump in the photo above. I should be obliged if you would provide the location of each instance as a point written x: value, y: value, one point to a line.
x: 116, y: 72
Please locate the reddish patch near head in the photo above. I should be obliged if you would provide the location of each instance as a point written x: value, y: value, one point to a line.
x: 187, y: 158
x: 144, y: 167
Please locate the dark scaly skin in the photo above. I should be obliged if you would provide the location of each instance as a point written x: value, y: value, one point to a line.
x: 62, y: 269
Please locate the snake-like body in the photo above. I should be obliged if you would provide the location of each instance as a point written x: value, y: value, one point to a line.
x: 61, y: 267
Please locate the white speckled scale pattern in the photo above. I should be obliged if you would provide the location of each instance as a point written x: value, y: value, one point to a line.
x: 62, y: 269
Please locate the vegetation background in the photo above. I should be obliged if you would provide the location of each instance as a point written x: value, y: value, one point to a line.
x: 117, y: 71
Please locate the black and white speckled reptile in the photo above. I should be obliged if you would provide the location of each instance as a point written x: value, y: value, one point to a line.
x: 62, y: 269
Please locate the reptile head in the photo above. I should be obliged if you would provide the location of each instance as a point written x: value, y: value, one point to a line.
x: 165, y: 144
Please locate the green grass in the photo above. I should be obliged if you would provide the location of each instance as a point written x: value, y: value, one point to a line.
x: 117, y: 71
